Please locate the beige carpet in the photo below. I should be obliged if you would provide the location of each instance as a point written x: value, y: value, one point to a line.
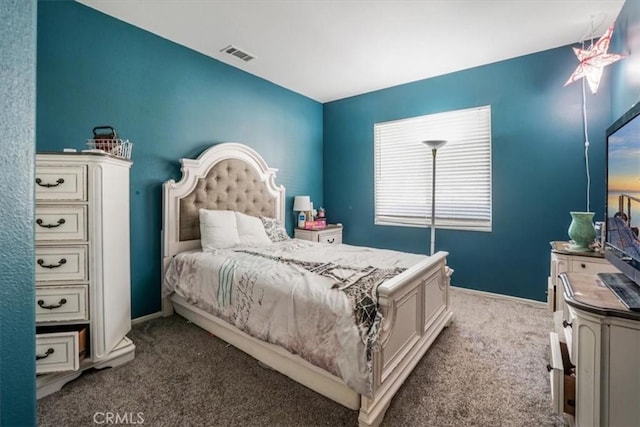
x: 486, y: 369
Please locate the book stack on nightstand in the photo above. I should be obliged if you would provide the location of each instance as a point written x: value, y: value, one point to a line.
x: 331, y: 233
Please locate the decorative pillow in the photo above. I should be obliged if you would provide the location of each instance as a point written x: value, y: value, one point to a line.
x: 274, y: 229
x: 218, y: 229
x: 251, y: 231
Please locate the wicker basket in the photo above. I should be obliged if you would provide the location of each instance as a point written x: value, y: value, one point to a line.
x: 105, y: 138
x: 115, y: 147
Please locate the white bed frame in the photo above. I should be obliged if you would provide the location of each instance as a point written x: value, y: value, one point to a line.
x: 415, y: 304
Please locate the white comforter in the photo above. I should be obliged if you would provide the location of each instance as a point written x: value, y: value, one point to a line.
x: 316, y: 300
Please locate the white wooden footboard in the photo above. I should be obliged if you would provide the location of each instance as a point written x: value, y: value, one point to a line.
x: 415, y: 306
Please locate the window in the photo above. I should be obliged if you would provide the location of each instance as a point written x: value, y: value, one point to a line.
x: 403, y: 170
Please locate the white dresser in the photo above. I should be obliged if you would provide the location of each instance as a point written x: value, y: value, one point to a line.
x: 82, y: 267
x: 565, y: 261
x: 595, y: 356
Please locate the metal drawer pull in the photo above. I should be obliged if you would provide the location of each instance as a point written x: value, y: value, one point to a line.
x: 49, y: 351
x: 583, y: 265
x: 60, y: 263
x: 332, y: 240
x: 62, y: 302
x: 60, y: 222
x: 58, y: 182
x: 566, y: 324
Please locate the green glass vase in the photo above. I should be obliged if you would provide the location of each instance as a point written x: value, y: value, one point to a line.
x: 581, y: 231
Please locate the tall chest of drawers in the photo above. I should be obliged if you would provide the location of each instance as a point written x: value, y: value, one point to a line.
x: 82, y: 265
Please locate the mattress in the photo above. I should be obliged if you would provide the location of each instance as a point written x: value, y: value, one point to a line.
x: 316, y: 300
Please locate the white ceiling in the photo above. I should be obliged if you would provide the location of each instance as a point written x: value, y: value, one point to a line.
x: 333, y: 49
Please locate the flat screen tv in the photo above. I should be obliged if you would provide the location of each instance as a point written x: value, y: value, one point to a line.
x: 622, y: 244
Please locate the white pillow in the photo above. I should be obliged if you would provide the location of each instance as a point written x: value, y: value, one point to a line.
x: 251, y: 230
x: 218, y: 230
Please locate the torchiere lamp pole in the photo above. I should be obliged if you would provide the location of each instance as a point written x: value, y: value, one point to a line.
x: 434, y: 145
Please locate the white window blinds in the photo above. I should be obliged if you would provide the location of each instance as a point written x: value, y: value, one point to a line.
x: 463, y: 170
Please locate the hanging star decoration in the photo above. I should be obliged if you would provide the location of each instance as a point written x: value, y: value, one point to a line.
x: 593, y: 61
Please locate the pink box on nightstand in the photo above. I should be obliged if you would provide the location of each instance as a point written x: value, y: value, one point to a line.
x: 317, y: 224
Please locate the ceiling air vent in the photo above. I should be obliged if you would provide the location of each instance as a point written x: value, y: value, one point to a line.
x: 238, y: 53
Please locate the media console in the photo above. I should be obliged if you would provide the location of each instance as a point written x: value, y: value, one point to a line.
x: 595, y: 356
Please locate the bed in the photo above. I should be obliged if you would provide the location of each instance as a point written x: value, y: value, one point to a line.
x: 411, y: 299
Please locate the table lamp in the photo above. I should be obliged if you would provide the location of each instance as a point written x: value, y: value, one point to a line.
x: 302, y: 205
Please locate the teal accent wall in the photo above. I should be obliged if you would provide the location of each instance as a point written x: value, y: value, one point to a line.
x: 625, y: 80
x: 17, y: 290
x: 170, y: 102
x: 538, y: 166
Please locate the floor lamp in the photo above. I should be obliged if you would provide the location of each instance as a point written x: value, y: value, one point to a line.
x: 434, y: 145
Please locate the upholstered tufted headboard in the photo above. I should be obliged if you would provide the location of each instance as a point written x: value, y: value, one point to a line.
x: 227, y: 176
x: 231, y: 184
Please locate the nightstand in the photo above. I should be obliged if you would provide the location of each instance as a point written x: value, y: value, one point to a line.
x: 332, y: 234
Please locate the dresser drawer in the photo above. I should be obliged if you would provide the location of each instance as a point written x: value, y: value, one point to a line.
x: 561, y: 378
x: 61, y: 303
x: 332, y: 238
x: 60, y: 182
x: 61, y: 263
x: 60, y: 351
x: 591, y: 266
x: 55, y: 223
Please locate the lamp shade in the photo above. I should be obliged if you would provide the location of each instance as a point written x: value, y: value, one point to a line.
x: 434, y: 143
x: 302, y: 203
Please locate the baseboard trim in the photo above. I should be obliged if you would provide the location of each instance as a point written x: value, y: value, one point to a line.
x: 537, y: 304
x: 146, y: 318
